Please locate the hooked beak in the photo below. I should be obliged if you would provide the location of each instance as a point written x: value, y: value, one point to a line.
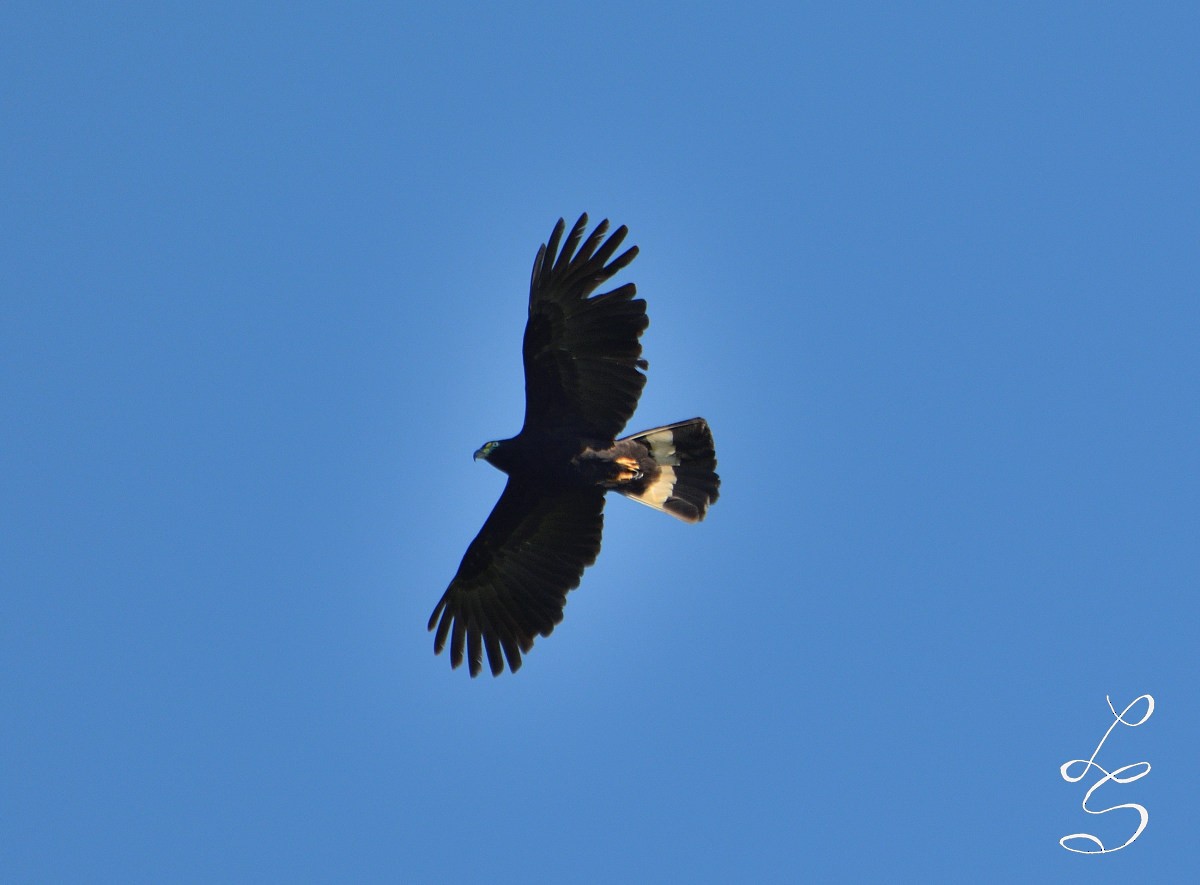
x: 478, y: 454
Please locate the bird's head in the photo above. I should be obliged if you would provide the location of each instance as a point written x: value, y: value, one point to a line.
x: 485, y: 451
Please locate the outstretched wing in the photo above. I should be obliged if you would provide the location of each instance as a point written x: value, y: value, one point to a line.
x: 582, y: 354
x: 513, y: 581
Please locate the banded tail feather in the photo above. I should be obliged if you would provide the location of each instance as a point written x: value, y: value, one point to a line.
x: 678, y: 469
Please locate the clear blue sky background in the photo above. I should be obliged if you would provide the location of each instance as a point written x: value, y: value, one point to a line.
x: 930, y: 272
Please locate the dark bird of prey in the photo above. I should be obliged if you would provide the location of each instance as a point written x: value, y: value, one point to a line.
x: 582, y: 383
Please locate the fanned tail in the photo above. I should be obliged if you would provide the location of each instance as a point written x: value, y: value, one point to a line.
x: 677, y: 469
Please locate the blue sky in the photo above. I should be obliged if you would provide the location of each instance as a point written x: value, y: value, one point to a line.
x: 930, y: 271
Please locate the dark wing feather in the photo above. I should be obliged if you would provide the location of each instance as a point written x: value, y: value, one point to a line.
x: 582, y: 354
x: 513, y: 581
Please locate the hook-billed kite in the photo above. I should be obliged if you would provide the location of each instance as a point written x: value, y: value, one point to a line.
x: 582, y: 382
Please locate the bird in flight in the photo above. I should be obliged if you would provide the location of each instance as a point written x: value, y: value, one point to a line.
x: 582, y: 382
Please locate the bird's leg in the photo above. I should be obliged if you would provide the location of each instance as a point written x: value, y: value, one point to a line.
x: 627, y: 469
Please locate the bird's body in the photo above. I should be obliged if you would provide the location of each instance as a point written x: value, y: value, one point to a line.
x: 582, y: 382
